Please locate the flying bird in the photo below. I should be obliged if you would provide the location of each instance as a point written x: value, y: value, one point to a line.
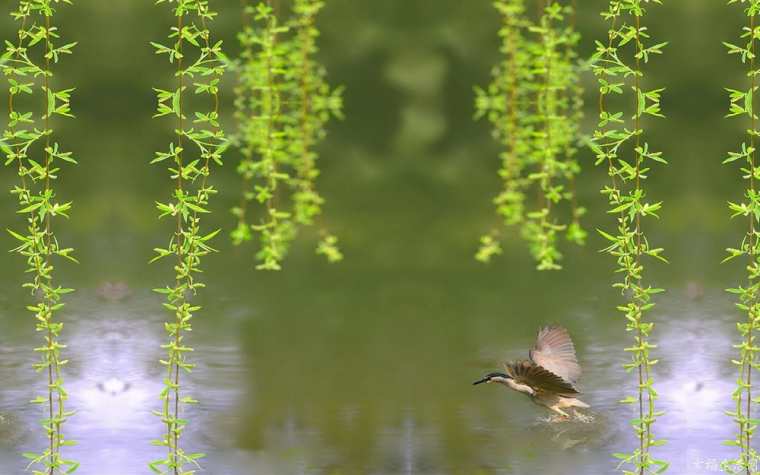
x: 550, y: 375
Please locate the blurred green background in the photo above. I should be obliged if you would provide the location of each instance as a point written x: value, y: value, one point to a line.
x: 365, y: 366
x: 408, y: 160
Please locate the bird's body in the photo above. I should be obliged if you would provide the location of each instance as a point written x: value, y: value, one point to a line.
x: 550, y: 375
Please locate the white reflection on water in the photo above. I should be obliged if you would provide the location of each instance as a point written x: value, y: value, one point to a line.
x: 408, y: 449
x: 114, y: 380
x: 113, y: 390
x: 696, y: 382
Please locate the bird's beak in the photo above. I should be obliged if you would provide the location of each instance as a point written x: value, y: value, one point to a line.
x: 484, y: 380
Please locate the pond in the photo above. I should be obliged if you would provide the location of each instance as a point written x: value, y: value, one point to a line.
x: 332, y: 371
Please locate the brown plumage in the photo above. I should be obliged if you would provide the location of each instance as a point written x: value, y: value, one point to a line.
x: 538, y: 378
x: 554, y: 351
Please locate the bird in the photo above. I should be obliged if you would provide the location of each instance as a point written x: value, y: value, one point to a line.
x: 550, y: 375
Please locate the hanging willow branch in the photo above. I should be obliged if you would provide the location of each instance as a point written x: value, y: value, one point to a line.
x: 741, y: 105
x: 28, y: 145
x: 619, y: 143
x: 319, y: 103
x: 505, y: 103
x: 198, y: 145
x: 283, y: 104
x: 534, y: 105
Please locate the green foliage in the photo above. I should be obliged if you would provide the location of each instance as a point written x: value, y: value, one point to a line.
x: 741, y: 106
x: 28, y: 145
x: 199, y: 144
x: 283, y: 105
x: 619, y: 143
x: 534, y: 104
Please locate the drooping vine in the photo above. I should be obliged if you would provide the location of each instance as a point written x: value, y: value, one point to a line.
x: 198, y: 146
x: 318, y: 104
x: 541, y: 227
x: 506, y: 103
x: 283, y: 105
x: 741, y: 106
x: 619, y: 143
x: 30, y: 147
x: 534, y: 103
x: 262, y: 138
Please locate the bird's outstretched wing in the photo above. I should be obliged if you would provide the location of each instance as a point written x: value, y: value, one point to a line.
x: 555, y: 352
x: 528, y: 373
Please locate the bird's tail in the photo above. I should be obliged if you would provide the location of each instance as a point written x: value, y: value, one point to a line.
x: 581, y: 404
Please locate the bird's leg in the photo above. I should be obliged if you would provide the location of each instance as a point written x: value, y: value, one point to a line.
x: 563, y: 416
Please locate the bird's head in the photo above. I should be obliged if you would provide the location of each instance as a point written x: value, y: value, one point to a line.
x: 493, y: 378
